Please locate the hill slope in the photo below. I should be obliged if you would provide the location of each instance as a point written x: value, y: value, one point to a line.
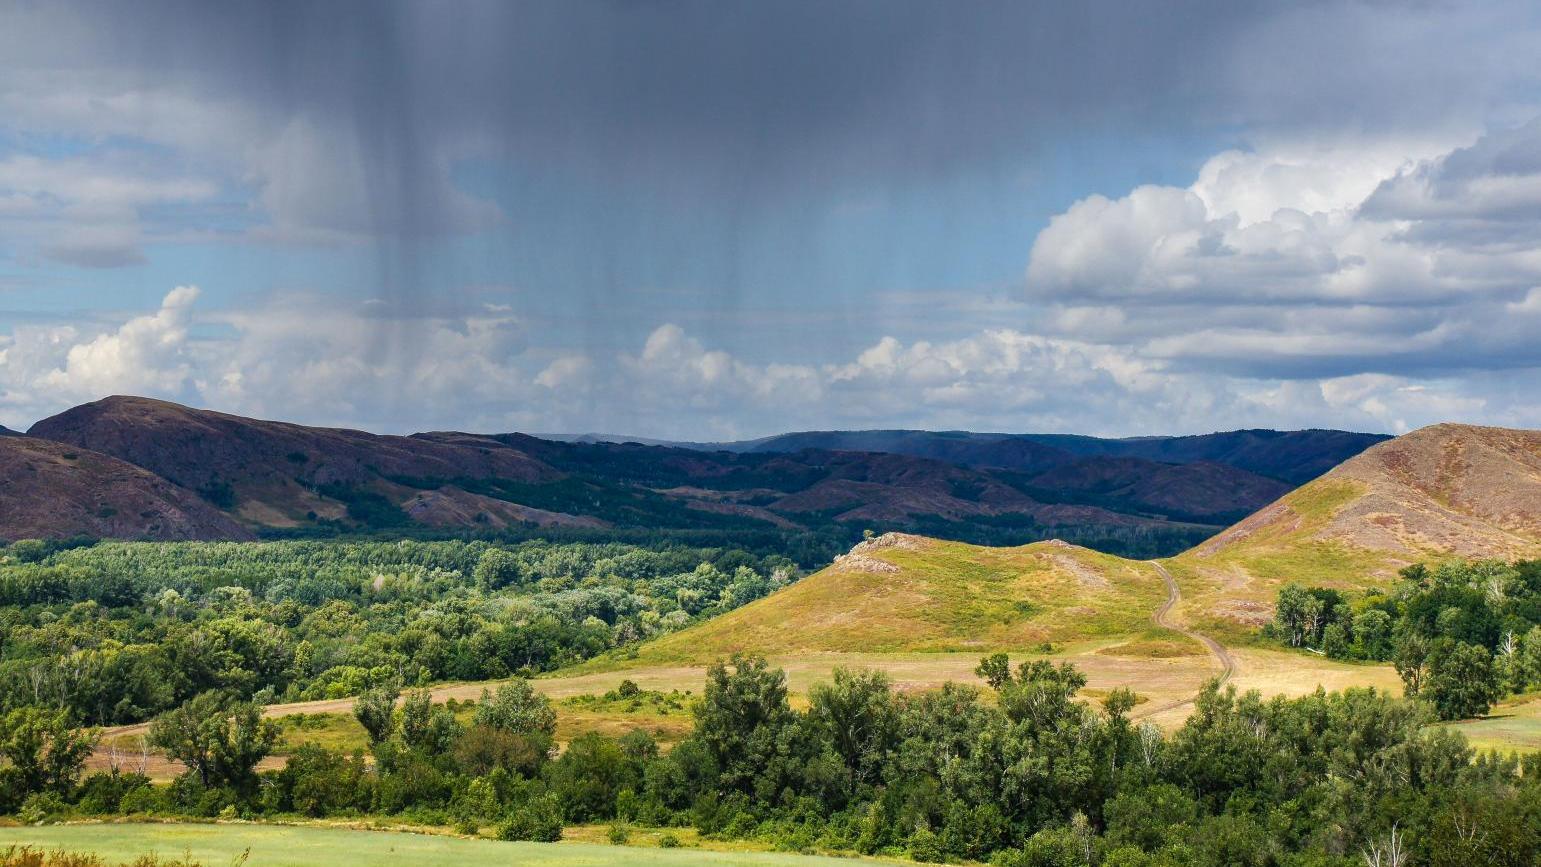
x: 1202, y: 491
x: 274, y: 474
x: 1447, y: 490
x: 48, y: 489
x: 277, y: 475
x: 902, y: 593
x: 1289, y: 456
x: 1441, y: 491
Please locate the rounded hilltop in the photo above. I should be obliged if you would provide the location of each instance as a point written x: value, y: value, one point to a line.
x: 899, y: 592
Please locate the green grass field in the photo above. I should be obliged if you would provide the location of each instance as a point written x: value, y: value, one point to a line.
x: 1512, y: 725
x: 218, y: 845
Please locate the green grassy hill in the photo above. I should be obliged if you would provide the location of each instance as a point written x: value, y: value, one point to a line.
x: 1442, y: 491
x: 900, y: 593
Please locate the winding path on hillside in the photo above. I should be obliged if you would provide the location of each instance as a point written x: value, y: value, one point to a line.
x: 1161, y: 617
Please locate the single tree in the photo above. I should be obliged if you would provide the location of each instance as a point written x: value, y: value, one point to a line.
x: 857, y: 714
x: 518, y: 708
x: 744, y: 721
x: 1290, y: 613
x: 995, y: 670
x: 375, y: 710
x: 45, y: 752
x: 1411, y: 661
x: 497, y: 568
x: 219, y: 740
x: 427, y: 726
x: 1462, y: 681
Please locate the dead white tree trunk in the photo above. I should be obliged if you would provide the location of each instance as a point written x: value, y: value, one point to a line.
x: 1387, y: 853
x: 1150, y: 743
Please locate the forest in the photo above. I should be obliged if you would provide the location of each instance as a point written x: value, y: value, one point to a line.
x: 117, y: 632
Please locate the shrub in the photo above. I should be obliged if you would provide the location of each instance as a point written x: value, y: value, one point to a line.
x: 145, y: 799
x: 619, y: 833
x: 26, y: 856
x: 40, y: 807
x: 926, y: 847
x: 538, y: 819
x: 668, y: 841
x: 103, y: 793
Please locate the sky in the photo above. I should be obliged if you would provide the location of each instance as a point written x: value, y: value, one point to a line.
x: 718, y: 220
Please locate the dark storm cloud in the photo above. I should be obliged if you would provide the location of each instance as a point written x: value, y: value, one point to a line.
x: 371, y: 106
x: 880, y: 84
x: 674, y: 93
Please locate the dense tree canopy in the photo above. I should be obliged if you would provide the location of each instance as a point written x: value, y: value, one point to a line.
x: 1461, y: 635
x: 120, y: 631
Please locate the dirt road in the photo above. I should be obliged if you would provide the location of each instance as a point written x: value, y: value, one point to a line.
x: 1162, y: 618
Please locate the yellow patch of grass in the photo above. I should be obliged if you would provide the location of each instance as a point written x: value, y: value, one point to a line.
x: 334, y: 731
x: 1155, y: 644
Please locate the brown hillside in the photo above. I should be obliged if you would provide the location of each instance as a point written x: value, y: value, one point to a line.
x: 1199, y: 489
x: 1443, y: 491
x: 273, y: 471
x: 871, y: 486
x: 195, y: 447
x: 49, y: 489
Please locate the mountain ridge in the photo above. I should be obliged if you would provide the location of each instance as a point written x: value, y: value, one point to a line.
x: 283, y: 477
x: 1035, y: 452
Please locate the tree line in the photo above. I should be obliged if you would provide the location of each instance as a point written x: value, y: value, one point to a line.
x: 1020, y: 773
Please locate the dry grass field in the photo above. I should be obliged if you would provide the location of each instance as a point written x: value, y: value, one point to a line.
x: 217, y: 844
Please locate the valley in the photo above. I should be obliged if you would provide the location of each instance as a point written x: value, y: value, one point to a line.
x: 617, y: 646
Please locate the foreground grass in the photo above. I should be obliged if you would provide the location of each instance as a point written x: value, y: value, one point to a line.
x: 215, y: 845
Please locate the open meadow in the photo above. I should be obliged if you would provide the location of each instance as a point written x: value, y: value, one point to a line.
x: 216, y: 845
x: 1164, y: 671
x: 1511, y: 725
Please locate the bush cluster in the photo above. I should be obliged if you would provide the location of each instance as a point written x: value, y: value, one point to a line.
x: 1461, y: 635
